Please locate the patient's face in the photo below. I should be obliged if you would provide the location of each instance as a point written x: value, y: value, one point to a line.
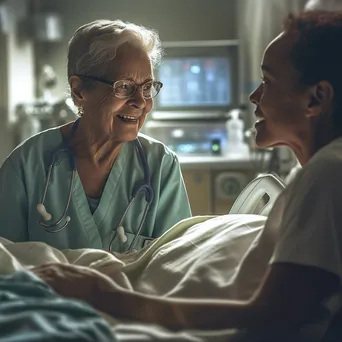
x: 280, y: 105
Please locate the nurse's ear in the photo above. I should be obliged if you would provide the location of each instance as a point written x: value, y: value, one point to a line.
x: 76, y: 90
x: 320, y: 99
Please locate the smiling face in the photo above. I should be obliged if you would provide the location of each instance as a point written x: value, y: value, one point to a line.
x: 117, y: 119
x: 282, y: 106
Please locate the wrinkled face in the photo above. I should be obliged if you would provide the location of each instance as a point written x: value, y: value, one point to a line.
x: 281, y: 106
x: 115, y: 118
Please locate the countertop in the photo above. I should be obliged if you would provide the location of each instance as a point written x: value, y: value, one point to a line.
x: 216, y: 162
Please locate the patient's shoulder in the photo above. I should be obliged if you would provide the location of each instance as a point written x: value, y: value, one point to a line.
x: 323, y: 171
x: 331, y: 152
x: 327, y: 160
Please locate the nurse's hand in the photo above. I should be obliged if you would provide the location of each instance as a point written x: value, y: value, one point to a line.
x: 74, y: 281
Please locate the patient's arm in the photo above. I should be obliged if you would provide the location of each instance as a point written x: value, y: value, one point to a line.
x: 290, y: 294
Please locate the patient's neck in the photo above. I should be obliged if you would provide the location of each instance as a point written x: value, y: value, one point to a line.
x: 303, y: 150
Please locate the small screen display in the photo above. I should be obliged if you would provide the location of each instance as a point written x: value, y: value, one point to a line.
x: 200, y: 82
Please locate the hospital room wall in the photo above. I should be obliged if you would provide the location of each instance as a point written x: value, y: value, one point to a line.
x: 16, y: 67
x: 176, y: 20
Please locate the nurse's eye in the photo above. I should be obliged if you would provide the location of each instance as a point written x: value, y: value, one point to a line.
x: 124, y: 88
x: 147, y: 87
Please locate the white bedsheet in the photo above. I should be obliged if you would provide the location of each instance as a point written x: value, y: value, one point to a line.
x: 201, y: 257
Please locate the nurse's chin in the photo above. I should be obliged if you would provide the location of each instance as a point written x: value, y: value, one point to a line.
x: 127, y: 136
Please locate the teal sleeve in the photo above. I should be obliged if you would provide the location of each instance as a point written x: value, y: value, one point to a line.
x: 173, y: 203
x: 13, y: 204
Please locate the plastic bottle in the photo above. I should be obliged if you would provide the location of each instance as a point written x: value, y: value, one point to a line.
x: 236, y: 147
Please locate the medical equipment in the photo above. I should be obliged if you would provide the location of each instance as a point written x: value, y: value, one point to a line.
x: 144, y: 187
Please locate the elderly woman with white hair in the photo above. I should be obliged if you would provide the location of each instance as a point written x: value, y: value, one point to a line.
x: 97, y: 182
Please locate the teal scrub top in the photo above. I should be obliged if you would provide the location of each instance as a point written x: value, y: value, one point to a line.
x: 22, y: 181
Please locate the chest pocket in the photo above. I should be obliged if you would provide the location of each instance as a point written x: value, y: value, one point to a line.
x: 140, y: 242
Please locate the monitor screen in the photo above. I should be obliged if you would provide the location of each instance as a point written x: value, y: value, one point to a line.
x: 199, y: 82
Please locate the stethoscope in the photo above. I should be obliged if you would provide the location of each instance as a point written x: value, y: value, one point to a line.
x: 144, y: 187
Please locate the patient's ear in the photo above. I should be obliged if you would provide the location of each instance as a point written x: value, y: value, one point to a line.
x: 320, y: 99
x: 76, y: 90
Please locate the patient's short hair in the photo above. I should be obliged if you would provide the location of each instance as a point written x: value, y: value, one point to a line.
x: 317, y: 53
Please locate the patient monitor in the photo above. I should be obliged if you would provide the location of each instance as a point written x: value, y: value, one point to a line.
x: 259, y: 196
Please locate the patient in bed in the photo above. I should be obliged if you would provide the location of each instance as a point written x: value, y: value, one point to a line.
x: 298, y: 104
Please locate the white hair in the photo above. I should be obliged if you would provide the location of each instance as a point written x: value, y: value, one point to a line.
x: 95, y: 44
x: 326, y: 5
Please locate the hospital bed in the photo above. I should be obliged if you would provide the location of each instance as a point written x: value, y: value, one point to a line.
x: 259, y: 196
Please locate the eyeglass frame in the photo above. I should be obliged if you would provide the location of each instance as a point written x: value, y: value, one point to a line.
x: 112, y: 84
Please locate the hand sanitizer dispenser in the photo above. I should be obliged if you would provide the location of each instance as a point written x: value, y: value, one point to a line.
x: 236, y: 147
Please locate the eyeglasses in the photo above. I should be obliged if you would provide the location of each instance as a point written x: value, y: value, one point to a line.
x: 124, y: 89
